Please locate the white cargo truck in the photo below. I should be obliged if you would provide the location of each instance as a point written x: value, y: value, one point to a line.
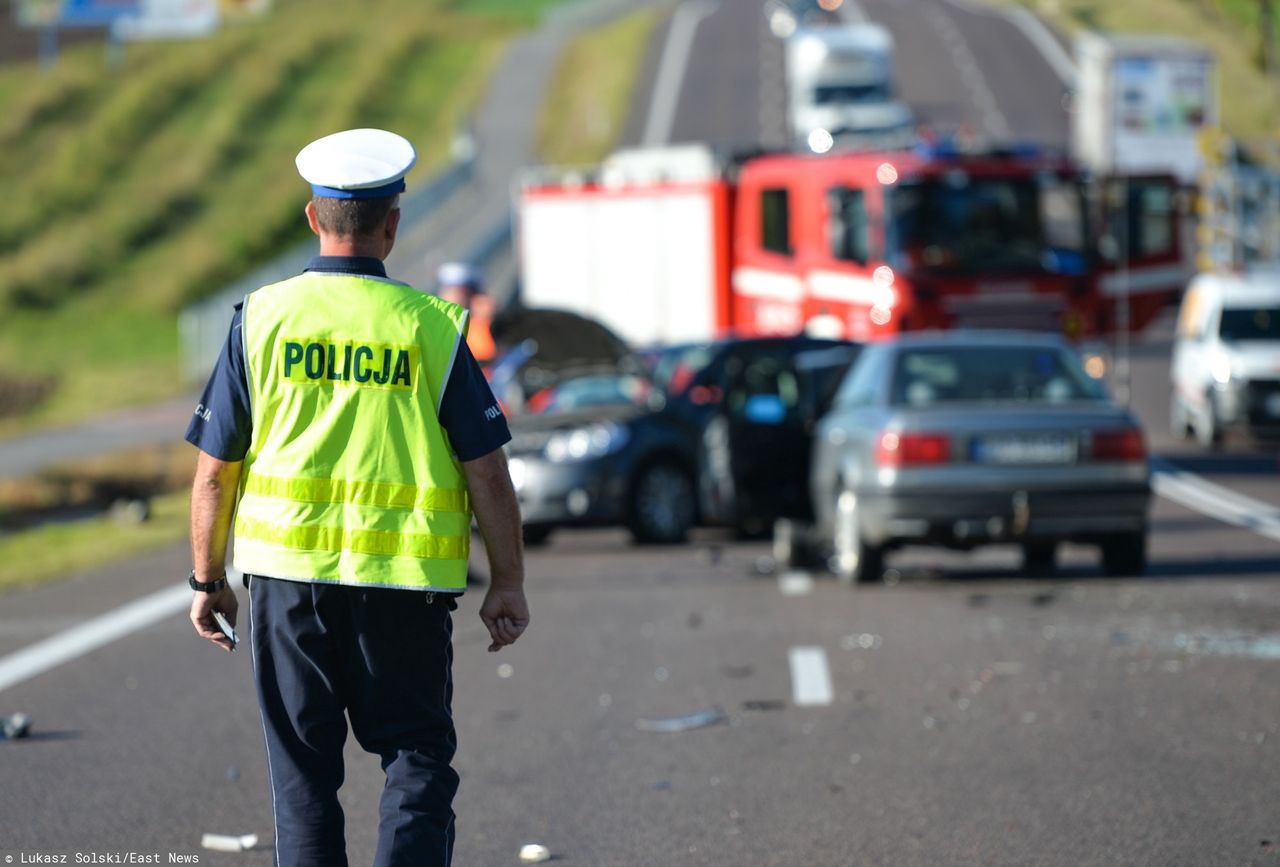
x: 840, y: 89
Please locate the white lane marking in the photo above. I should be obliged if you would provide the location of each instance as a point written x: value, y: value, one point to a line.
x: 1035, y: 31
x: 671, y: 69
x: 997, y: 125
x: 1207, y: 498
x: 795, y: 583
x: 92, y: 634
x: 810, y: 677
x: 1039, y: 35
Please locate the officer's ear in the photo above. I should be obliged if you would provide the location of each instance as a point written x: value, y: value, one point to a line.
x: 393, y: 224
x: 312, y: 220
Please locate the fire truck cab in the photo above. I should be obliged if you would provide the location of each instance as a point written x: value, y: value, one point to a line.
x: 867, y: 244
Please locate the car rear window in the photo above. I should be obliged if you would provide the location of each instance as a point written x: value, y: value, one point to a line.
x: 986, y: 374
x: 1252, y: 323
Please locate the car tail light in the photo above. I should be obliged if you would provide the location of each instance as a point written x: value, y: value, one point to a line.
x: 705, y: 395
x: 1122, y: 444
x: 912, y: 449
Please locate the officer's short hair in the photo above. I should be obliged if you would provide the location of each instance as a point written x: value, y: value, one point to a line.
x: 353, y: 218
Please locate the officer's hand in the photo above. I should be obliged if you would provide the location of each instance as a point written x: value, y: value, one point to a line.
x: 505, y: 614
x: 202, y: 607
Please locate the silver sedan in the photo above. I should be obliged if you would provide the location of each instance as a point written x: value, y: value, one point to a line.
x: 960, y: 439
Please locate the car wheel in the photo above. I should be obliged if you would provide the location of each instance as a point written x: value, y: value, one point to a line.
x: 660, y: 510
x: 1208, y: 430
x: 1125, y: 555
x: 853, y: 560
x: 1039, y: 558
x: 536, y: 535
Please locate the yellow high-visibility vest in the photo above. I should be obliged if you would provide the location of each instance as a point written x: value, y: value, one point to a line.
x: 349, y: 478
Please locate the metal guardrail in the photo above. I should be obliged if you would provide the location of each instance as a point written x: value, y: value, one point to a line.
x: 202, y: 326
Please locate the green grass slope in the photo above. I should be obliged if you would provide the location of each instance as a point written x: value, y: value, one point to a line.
x: 1250, y: 99
x: 131, y: 190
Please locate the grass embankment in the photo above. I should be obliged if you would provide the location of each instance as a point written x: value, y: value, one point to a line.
x: 41, y: 536
x: 589, y: 98
x: 132, y: 190
x: 219, y: 196
x: 1250, y: 100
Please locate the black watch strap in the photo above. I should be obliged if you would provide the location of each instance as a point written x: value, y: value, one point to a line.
x: 206, y: 587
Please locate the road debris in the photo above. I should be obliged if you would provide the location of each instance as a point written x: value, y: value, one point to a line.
x: 17, y: 726
x: 689, y: 722
x: 228, y: 842
x: 763, y: 704
x: 130, y: 511
x: 534, y: 853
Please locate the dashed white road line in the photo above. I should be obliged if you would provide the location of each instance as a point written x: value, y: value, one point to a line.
x: 810, y: 677
x: 92, y: 634
x: 671, y: 69
x: 993, y: 119
x: 1035, y: 31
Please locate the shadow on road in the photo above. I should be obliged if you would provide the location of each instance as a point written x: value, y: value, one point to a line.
x: 1249, y: 464
x: 1158, y: 570
x: 1214, y: 567
x: 38, y: 735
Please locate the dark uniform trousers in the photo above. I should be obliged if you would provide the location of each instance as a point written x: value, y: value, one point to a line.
x: 382, y: 658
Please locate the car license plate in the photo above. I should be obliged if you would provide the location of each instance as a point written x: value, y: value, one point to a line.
x: 1025, y: 449
x: 1273, y: 405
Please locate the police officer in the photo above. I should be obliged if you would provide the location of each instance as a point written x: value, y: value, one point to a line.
x: 350, y: 430
x: 461, y: 283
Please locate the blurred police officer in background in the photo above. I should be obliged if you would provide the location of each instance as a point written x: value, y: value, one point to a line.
x: 462, y: 284
x: 349, y: 429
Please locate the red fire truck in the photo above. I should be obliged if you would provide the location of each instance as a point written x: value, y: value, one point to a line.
x: 676, y: 244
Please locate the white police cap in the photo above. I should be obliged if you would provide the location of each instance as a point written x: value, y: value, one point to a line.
x: 357, y: 164
x: 458, y: 274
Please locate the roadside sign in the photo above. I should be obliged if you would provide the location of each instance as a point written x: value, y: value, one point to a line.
x: 94, y: 13
x: 169, y: 19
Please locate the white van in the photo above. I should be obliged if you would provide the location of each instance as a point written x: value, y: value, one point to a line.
x: 1226, y: 357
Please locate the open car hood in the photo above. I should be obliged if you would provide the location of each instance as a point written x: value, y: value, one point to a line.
x: 564, y: 339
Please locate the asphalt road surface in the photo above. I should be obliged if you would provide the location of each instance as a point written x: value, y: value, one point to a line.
x: 962, y: 715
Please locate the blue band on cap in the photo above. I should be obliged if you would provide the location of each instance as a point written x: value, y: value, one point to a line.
x: 391, y: 189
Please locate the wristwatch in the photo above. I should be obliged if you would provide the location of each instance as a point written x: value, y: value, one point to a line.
x: 206, y: 586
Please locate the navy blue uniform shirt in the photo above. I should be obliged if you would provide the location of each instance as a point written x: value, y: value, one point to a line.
x: 223, y: 421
